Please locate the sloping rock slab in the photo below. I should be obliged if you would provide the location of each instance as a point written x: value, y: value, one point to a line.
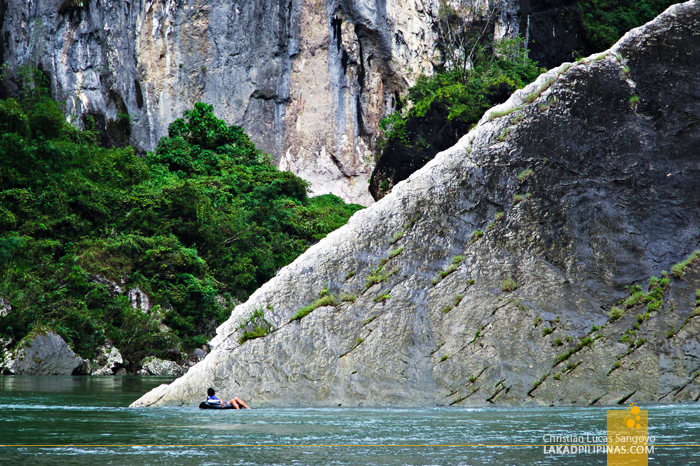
x: 479, y: 279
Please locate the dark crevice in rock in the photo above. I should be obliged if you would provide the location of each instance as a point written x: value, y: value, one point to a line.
x: 501, y: 386
x: 554, y: 30
x: 336, y: 24
x: 139, y: 94
x: 622, y: 400
x: 398, y: 161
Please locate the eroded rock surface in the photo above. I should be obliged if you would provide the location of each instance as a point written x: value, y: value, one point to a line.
x: 308, y: 80
x: 609, y: 199
x: 108, y: 360
x: 613, y: 156
x: 155, y: 366
x: 42, y: 353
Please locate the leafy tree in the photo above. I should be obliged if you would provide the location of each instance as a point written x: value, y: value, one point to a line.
x: 202, y: 221
x: 605, y: 21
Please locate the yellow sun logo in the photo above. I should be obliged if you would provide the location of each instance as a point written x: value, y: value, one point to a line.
x: 631, y: 419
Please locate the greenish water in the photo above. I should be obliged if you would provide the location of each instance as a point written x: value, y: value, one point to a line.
x: 89, y: 420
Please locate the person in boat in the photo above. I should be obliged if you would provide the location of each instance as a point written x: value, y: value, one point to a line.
x: 235, y: 401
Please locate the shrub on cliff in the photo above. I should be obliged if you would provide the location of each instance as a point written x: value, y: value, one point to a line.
x: 466, y: 93
x: 202, y: 221
x: 605, y: 21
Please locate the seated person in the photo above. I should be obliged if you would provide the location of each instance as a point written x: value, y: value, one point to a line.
x: 235, y: 401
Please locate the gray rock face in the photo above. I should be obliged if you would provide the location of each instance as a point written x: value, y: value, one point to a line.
x: 108, y: 360
x: 308, y: 80
x: 5, y: 306
x: 155, y: 366
x: 42, y: 353
x: 198, y: 354
x: 139, y: 300
x: 610, y: 200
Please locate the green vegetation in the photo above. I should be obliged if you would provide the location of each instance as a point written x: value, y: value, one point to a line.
x: 538, y: 383
x: 546, y: 331
x: 463, y: 85
x: 456, y: 260
x: 680, y: 269
x: 348, y: 298
x: 395, y: 252
x: 326, y: 299
x: 605, y: 21
x: 383, y: 297
x: 197, y: 225
x: 255, y: 326
x: 476, y: 235
x: 397, y: 236
x: 616, y: 313
x: 525, y: 174
x: 370, y: 320
x: 378, y: 276
x: 637, y: 298
x: 585, y: 342
x: 509, y: 284
x: 499, y: 216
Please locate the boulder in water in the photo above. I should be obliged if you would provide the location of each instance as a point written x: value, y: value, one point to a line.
x: 42, y: 352
x: 155, y: 366
x: 108, y: 361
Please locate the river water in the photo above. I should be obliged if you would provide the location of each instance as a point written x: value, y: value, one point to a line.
x: 85, y: 421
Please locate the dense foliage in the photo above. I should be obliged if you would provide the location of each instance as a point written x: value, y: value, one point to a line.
x: 605, y: 21
x: 476, y: 70
x: 204, y: 219
x: 466, y: 92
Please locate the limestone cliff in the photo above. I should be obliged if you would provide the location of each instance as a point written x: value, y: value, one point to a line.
x: 489, y: 276
x: 309, y: 80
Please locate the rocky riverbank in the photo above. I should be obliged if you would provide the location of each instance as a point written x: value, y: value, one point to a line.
x: 43, y: 352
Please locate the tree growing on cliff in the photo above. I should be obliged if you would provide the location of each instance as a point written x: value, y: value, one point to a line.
x: 465, y: 33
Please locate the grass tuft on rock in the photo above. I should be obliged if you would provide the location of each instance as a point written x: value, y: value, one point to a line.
x: 680, y: 269
x: 509, y: 284
x: 326, y: 300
